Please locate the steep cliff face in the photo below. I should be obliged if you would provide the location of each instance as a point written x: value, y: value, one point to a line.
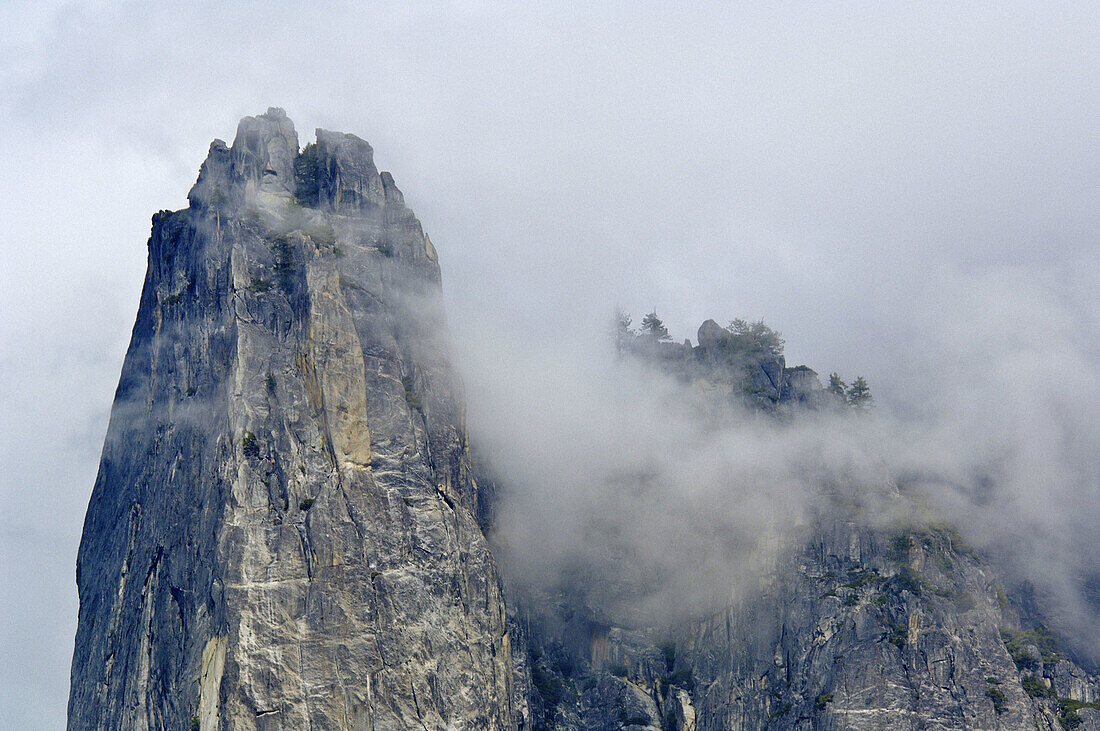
x: 853, y: 628
x: 282, y: 533
x: 869, y: 629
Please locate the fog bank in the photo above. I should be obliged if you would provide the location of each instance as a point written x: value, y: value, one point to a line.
x: 666, y: 499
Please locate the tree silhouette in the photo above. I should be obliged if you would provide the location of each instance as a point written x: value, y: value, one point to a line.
x: 757, y: 338
x: 308, y: 171
x: 859, y: 394
x: 621, y: 331
x: 654, y: 328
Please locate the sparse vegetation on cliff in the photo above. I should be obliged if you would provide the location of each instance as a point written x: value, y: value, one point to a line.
x: 307, y: 176
x: 756, y: 338
x: 750, y: 353
x: 653, y: 327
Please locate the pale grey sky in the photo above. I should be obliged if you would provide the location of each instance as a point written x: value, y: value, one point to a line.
x: 907, y: 191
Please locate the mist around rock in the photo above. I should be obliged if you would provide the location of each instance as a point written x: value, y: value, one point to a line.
x: 687, y: 532
x: 661, y: 500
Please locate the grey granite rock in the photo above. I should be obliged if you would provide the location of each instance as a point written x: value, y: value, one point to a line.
x: 283, y: 532
x: 730, y: 367
x: 856, y: 628
x: 711, y: 335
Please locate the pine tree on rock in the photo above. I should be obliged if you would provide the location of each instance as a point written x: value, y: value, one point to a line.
x: 859, y: 394
x: 757, y: 338
x: 621, y: 331
x: 654, y: 328
x: 837, y: 387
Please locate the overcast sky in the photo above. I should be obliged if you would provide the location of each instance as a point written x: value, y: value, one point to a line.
x: 906, y: 191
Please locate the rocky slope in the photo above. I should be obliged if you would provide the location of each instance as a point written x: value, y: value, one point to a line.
x: 282, y: 534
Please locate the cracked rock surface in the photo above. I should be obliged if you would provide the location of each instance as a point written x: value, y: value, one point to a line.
x: 283, y: 531
x: 898, y: 627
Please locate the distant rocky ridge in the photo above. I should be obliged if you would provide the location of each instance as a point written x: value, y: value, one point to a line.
x: 748, y: 366
x: 288, y: 526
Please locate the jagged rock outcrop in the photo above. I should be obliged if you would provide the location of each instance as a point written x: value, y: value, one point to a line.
x: 736, y: 367
x: 283, y: 530
x: 870, y: 629
x: 855, y: 628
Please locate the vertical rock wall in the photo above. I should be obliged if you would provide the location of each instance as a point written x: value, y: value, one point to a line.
x: 282, y: 533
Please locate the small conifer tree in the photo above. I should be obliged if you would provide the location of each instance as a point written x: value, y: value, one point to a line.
x: 307, y: 176
x: 654, y: 328
x: 757, y: 338
x: 621, y: 331
x: 859, y: 394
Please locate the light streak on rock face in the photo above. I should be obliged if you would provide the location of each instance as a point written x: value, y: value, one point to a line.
x: 284, y: 519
